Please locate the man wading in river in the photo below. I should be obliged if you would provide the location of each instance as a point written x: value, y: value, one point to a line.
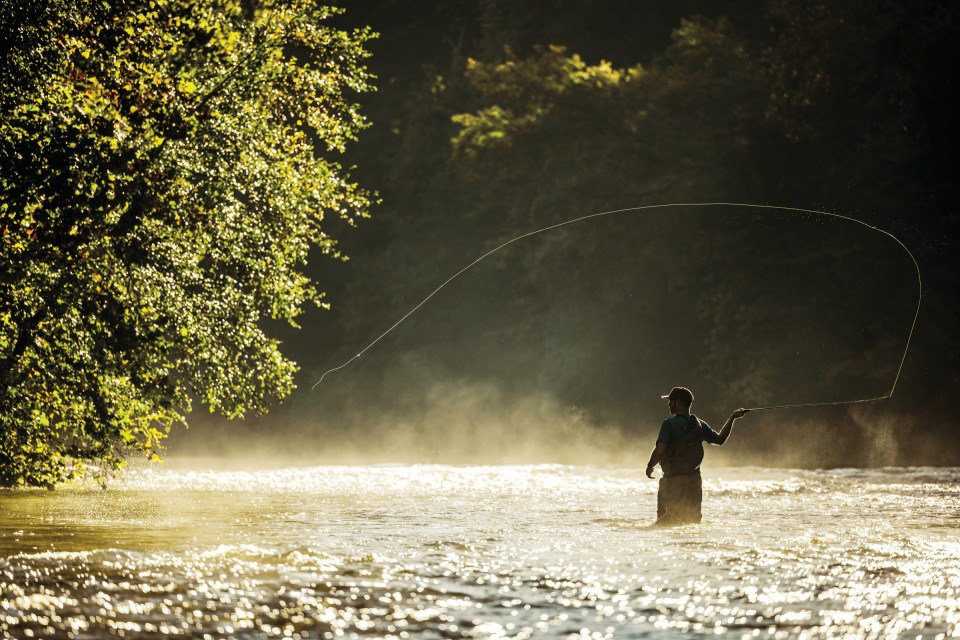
x: 679, y: 452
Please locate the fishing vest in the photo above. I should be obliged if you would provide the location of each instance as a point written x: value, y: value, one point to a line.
x: 683, y: 456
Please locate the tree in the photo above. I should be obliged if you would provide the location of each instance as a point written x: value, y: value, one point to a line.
x: 581, y: 312
x: 657, y: 125
x: 553, y: 138
x: 165, y: 170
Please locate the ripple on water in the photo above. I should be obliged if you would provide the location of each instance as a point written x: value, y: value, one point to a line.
x: 480, y: 552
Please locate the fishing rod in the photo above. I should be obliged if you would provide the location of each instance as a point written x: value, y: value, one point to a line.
x: 648, y: 207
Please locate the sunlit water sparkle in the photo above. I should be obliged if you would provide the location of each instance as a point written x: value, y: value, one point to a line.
x: 482, y: 552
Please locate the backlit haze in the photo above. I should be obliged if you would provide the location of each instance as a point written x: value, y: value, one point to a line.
x: 558, y: 347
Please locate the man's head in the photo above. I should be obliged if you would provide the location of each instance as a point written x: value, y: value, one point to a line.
x: 679, y: 400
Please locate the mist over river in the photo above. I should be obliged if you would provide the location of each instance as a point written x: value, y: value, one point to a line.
x: 404, y: 551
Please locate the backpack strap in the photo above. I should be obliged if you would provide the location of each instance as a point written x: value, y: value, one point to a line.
x: 693, y: 425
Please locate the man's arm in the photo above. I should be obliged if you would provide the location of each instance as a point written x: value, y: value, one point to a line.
x: 728, y: 425
x: 655, y: 456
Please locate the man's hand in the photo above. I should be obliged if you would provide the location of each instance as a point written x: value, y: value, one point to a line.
x: 724, y: 432
x: 655, y: 457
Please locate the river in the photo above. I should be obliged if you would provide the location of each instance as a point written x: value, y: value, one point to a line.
x: 186, y: 550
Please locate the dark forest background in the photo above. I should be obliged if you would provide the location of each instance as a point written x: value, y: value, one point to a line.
x: 495, y: 118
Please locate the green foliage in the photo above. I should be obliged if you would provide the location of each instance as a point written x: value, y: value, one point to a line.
x: 525, y: 91
x: 613, y: 134
x: 164, y: 172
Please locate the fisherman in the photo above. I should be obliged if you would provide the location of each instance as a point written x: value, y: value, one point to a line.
x: 679, y: 452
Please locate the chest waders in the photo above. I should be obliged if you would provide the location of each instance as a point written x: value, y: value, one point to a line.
x: 681, y: 489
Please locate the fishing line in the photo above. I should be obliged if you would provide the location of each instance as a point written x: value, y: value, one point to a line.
x: 456, y: 275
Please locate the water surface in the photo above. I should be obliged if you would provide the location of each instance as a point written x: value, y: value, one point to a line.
x: 481, y: 552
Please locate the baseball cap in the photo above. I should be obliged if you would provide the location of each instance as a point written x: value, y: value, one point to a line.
x: 679, y: 393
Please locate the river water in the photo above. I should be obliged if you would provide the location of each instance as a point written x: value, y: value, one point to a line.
x: 184, y: 550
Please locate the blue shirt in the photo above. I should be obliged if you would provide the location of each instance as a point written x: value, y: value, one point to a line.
x: 675, y: 427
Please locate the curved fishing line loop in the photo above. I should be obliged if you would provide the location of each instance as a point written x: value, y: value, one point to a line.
x: 456, y: 275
